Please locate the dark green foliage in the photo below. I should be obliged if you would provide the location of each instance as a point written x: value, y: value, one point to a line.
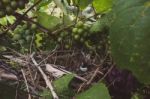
x: 9, y: 91
x: 97, y: 91
x: 130, y: 36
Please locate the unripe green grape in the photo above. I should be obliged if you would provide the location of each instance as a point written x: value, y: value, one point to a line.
x: 9, y: 10
x: 33, y: 26
x: 59, y: 39
x: 76, y: 37
x: 85, y: 34
x: 28, y: 38
x: 27, y: 32
x: 21, y: 4
x: 88, y: 44
x: 108, y: 37
x: 65, y: 33
x: 16, y: 31
x: 16, y: 37
x: 22, y: 41
x: 99, y: 47
x: 109, y: 42
x: 75, y: 30
x: 86, y: 27
x: 1, y: 5
x: 62, y: 34
x: 79, y: 24
x: 21, y: 30
x: 80, y: 31
x: 25, y: 26
x: 82, y: 39
x: 9, y: 6
x: 67, y: 46
x: 2, y: 14
x: 13, y: 4
x: 6, y: 1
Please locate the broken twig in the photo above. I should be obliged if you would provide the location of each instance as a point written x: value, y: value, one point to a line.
x: 48, y: 83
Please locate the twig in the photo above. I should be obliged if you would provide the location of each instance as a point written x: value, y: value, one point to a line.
x: 25, y: 18
x: 109, y: 70
x: 9, y: 76
x: 43, y: 29
x: 49, y: 55
x: 93, y: 76
x: 97, y: 71
x: 29, y: 96
x: 48, y: 83
x: 80, y: 88
x: 79, y: 77
x: 31, y: 43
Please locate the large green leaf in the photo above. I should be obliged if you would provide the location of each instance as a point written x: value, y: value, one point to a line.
x: 130, y: 32
x: 43, y: 3
x: 67, y: 20
x: 8, y: 91
x: 61, y: 86
x: 10, y: 19
x: 62, y: 4
x: 83, y: 3
x: 120, y: 5
x: 97, y: 91
x: 102, y: 5
x: 3, y: 21
x: 100, y: 25
x: 48, y: 21
x: 46, y: 94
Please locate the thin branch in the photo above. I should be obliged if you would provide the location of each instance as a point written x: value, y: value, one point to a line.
x: 48, y: 83
x: 65, y: 71
x: 93, y: 76
x: 43, y: 29
x: 25, y: 18
x: 29, y: 97
x: 109, y: 70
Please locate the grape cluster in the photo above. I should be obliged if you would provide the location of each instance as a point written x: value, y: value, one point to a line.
x: 80, y: 37
x: 23, y: 33
x: 64, y: 38
x: 77, y: 35
x: 80, y: 32
x: 93, y: 41
x: 8, y: 7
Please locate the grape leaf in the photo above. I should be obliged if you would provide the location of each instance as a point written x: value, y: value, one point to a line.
x: 129, y: 36
x: 99, y: 25
x: 44, y: 3
x: 3, y: 21
x: 83, y: 3
x: 10, y: 19
x: 97, y: 91
x: 38, y: 39
x: 48, y: 21
x: 61, y: 86
x: 102, y: 5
